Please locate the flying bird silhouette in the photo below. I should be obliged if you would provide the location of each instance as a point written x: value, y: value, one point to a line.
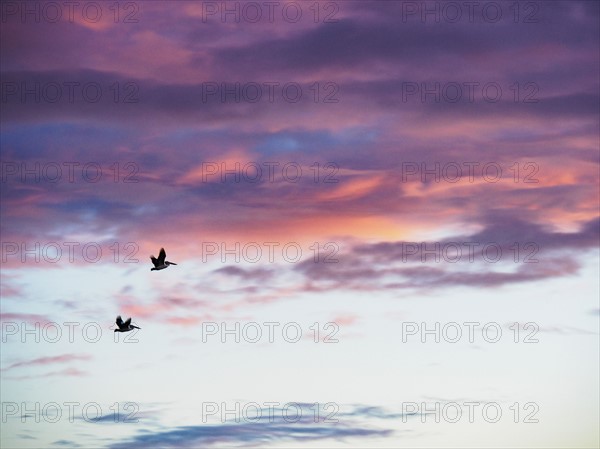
x: 160, y: 263
x: 125, y: 326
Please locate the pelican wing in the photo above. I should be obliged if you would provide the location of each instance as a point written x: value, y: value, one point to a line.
x: 155, y: 261
x: 119, y: 321
x: 127, y: 323
x: 162, y: 256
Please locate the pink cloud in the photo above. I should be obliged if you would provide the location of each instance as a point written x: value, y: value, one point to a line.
x: 71, y: 372
x: 345, y: 320
x: 24, y: 317
x: 43, y: 361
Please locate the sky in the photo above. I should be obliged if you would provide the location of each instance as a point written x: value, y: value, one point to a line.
x: 384, y: 215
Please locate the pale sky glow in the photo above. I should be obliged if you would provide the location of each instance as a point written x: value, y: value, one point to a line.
x: 143, y: 128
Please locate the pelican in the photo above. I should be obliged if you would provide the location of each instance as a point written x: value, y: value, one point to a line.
x: 160, y: 263
x: 124, y: 326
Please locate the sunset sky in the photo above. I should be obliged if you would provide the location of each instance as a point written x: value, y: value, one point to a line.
x: 387, y: 170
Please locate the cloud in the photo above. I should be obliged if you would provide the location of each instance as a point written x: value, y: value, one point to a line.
x: 195, y: 436
x: 67, y: 372
x: 25, y: 317
x: 10, y: 291
x: 428, y: 278
x: 51, y: 360
x: 247, y: 274
x: 502, y: 229
x: 436, y: 264
x: 27, y: 437
x: 66, y: 443
x: 345, y: 319
x: 274, y: 427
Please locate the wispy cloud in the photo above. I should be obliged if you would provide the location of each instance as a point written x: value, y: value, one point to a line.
x: 272, y: 430
x: 52, y: 360
x: 25, y: 317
